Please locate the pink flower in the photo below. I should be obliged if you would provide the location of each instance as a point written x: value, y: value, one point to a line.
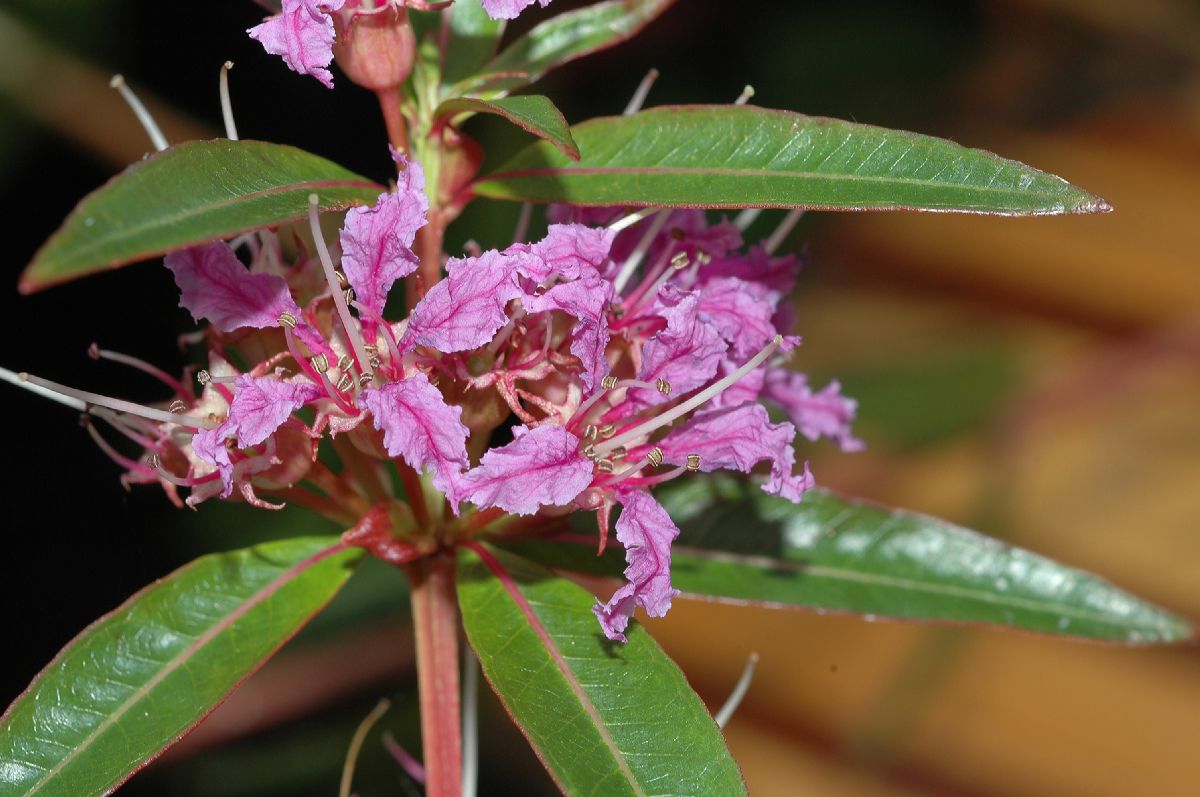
x: 214, y: 285
x: 302, y: 33
x: 541, y: 467
x: 508, y: 9
x: 468, y: 307
x: 646, y: 531
x: 824, y: 414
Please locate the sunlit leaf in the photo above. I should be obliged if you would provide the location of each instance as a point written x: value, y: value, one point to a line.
x: 605, y: 719
x: 137, y: 679
x: 833, y: 554
x: 194, y: 192
x: 741, y: 156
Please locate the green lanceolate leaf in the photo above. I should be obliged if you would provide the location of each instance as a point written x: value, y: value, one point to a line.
x: 137, y: 679
x: 605, y: 719
x: 191, y: 193
x: 533, y: 112
x: 740, y: 156
x: 473, y: 38
x: 833, y: 554
x: 561, y: 39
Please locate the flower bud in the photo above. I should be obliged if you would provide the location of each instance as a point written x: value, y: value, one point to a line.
x: 375, y: 47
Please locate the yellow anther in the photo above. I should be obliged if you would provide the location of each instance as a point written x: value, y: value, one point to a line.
x: 320, y: 363
x: 177, y: 407
x: 344, y: 362
x: 588, y: 451
x: 608, y: 430
x: 344, y: 383
x: 287, y: 320
x: 590, y: 432
x: 693, y: 462
x: 349, y: 294
x: 341, y: 278
x: 608, y: 382
x: 618, y: 452
x: 663, y: 386
x: 703, y: 258
x: 203, y: 377
x: 604, y: 465
x: 680, y: 261
x: 655, y: 455
x: 365, y: 378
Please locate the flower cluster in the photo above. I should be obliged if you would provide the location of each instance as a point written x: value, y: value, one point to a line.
x: 305, y: 33
x: 628, y: 354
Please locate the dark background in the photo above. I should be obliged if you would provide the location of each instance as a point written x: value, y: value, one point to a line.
x: 1048, y: 81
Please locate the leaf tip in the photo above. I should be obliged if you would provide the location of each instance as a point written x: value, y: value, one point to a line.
x: 1093, y: 204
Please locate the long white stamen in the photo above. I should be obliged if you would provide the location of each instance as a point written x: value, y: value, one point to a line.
x: 470, y: 723
x: 783, y: 230
x: 226, y: 105
x: 356, y: 743
x: 113, y: 454
x: 339, y: 300
x: 745, y: 96
x: 633, y: 470
x: 15, y: 379
x: 643, y: 90
x: 393, y: 347
x: 626, y: 222
x: 119, y: 423
x: 84, y: 398
x: 95, y: 352
x: 723, y: 716
x: 659, y: 421
x: 746, y: 218
x: 643, y: 246
x: 143, y: 116
x: 522, y: 223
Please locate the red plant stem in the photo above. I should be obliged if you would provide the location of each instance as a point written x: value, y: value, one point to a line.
x: 393, y: 118
x: 317, y: 503
x: 413, y: 492
x: 336, y: 488
x: 435, y: 626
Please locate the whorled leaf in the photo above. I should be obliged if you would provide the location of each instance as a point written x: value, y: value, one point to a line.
x: 605, y: 719
x: 532, y: 112
x: 714, y: 156
x: 833, y: 554
x: 191, y: 193
x: 140, y: 677
x: 560, y: 40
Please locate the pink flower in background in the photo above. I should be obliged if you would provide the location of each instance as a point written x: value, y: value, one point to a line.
x: 302, y: 33
x: 509, y: 9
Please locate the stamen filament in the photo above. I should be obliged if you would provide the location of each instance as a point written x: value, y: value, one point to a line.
x: 626, y: 222
x: 783, y: 230
x: 113, y: 404
x: 339, y: 300
x: 15, y: 379
x: 639, y: 252
x: 643, y: 429
x: 226, y: 105
x: 143, y: 116
x: 745, y: 96
x: 643, y: 90
x: 183, y: 481
x: 118, y: 422
x: 522, y: 223
x: 645, y: 462
x: 113, y: 454
x: 723, y: 716
x: 393, y: 347
x: 96, y: 352
x: 746, y: 218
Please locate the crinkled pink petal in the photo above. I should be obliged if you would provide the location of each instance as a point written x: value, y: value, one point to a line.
x: 774, y: 273
x: 209, y: 446
x: 686, y: 353
x: 377, y: 241
x: 748, y: 388
x: 568, y: 252
x: 466, y: 309
x: 540, y: 467
x: 508, y: 9
x: 421, y: 427
x: 824, y: 414
x: 261, y: 405
x: 214, y: 285
x: 646, y: 531
x: 587, y: 299
x: 741, y: 311
x: 739, y: 438
x: 302, y: 33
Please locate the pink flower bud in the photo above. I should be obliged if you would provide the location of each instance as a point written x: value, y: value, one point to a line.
x: 375, y: 48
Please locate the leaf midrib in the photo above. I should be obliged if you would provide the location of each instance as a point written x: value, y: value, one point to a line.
x: 179, y: 660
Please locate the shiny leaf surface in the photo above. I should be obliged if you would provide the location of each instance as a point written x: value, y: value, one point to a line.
x: 194, y: 192
x: 532, y: 112
x: 833, y: 554
x: 605, y: 719
x: 563, y: 38
x: 137, y: 679
x: 741, y: 156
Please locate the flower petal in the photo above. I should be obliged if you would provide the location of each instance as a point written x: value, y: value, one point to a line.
x: 824, y: 414
x: 466, y: 309
x: 261, y: 405
x: 377, y: 241
x: 587, y: 299
x: 775, y: 273
x: 421, y: 427
x: 739, y: 438
x: 508, y: 9
x: 741, y: 312
x: 646, y: 531
x: 209, y: 446
x: 686, y: 354
x: 213, y: 284
x: 302, y: 33
x: 540, y: 467
x: 568, y: 252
